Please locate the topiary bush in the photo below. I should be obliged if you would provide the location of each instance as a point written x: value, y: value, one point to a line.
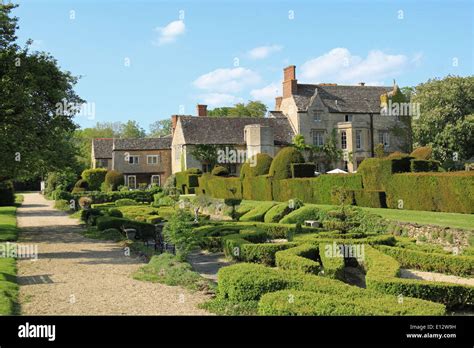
x: 422, y: 153
x: 125, y: 201
x: 113, y: 180
x: 281, y: 164
x: 220, y: 171
x: 94, y: 177
x: 304, y: 213
x: 82, y: 184
x: 115, y: 213
x: 277, y: 212
x: 256, y: 165
x: 302, y: 258
x: 7, y: 193
x: 257, y: 213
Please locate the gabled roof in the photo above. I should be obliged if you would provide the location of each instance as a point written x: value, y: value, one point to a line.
x: 102, y: 147
x: 162, y: 143
x: 350, y: 99
x: 230, y: 130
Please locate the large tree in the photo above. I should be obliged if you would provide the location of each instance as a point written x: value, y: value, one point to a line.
x: 132, y: 129
x: 160, y: 128
x: 446, y: 123
x: 251, y: 109
x: 37, y: 106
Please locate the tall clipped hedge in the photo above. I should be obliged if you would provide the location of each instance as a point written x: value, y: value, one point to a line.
x: 188, y: 180
x: 113, y: 179
x: 221, y: 187
x: 258, y: 164
x: 7, y: 193
x: 94, y: 177
x: 447, y: 192
x: 257, y: 188
x: 423, y: 153
x: 281, y: 164
x: 376, y: 172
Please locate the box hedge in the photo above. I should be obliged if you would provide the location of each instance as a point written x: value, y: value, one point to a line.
x: 418, y: 165
x: 302, y: 258
x: 281, y: 164
x: 277, y: 212
x: 382, y: 273
x: 324, y: 184
x: 257, y: 188
x: 221, y: 187
x: 258, y: 164
x: 94, y: 177
x: 333, y: 266
x: 447, y: 192
x: 303, y: 170
x: 257, y: 213
x: 370, y: 198
x: 145, y: 230
x: 431, y: 262
x: 188, y: 180
x: 307, y: 212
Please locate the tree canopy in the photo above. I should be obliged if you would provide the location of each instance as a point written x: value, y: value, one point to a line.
x: 34, y: 131
x: 251, y: 109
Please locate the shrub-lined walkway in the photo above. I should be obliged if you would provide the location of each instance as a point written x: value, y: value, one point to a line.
x: 78, y: 276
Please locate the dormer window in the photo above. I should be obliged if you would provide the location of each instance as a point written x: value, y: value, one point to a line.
x: 348, y: 118
x: 317, y: 117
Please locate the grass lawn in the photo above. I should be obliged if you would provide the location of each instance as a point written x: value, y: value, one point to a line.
x: 454, y: 220
x: 8, y: 229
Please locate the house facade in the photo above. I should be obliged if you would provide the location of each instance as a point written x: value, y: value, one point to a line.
x: 101, y: 153
x: 236, y: 138
x: 142, y: 161
x: 352, y: 112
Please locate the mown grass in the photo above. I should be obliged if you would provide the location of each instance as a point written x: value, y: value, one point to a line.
x: 167, y: 269
x: 8, y: 229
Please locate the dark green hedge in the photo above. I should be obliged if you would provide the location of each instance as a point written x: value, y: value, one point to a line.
x: 448, y: 192
x: 333, y: 267
x: 258, y: 164
x: 301, y: 188
x: 302, y: 170
x: 94, y: 177
x: 257, y: 213
x: 106, y: 197
x: 418, y: 165
x: 370, y: 198
x: 145, y: 230
x: 187, y: 180
x: 221, y: 187
x: 257, y: 188
x: 7, y: 193
x: 281, y: 164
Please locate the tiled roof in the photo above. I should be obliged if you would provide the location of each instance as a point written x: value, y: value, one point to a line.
x: 230, y: 130
x: 352, y: 99
x: 102, y: 147
x: 143, y: 143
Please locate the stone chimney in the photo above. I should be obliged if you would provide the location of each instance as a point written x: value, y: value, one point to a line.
x: 278, y: 103
x: 201, y: 110
x: 290, y: 84
x: 174, y: 121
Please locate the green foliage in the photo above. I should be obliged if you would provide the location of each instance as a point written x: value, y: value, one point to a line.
x: 8, y: 287
x: 302, y: 214
x: 302, y: 258
x: 382, y: 275
x: 370, y: 198
x: 7, y: 193
x: 161, y: 200
x: 277, y: 212
x: 82, y: 184
x: 281, y: 164
x: 171, y: 270
x: 178, y: 231
x: 446, y: 121
x: 257, y: 188
x: 98, y: 197
x: 62, y: 205
x: 251, y: 109
x: 257, y: 213
x: 448, y: 192
x: 59, y: 181
x: 379, y: 151
x: 131, y: 129
x: 422, y: 153
x: 188, y: 180
x: 220, y: 171
x: 113, y: 180
x: 333, y: 267
x: 8, y: 229
x: 431, y: 261
x: 219, y: 187
x: 125, y: 201
x: 206, y: 153
x: 160, y: 128
x: 256, y: 165
x: 94, y: 177
x: 115, y: 213
x: 418, y: 165
x: 302, y: 170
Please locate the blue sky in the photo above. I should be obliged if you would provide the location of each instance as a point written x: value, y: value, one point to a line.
x: 147, y: 60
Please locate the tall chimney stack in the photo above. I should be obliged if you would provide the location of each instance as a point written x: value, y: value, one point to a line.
x: 201, y: 110
x: 278, y: 103
x: 290, y: 84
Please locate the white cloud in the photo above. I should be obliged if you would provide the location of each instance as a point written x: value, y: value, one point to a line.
x: 219, y: 99
x: 170, y: 32
x: 341, y: 66
x: 267, y: 93
x: 263, y: 51
x: 227, y: 80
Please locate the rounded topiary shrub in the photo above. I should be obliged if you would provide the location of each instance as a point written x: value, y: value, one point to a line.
x: 94, y: 177
x: 7, y: 193
x: 113, y: 180
x: 281, y: 164
x: 423, y: 153
x: 258, y: 164
x: 220, y: 171
x: 81, y: 183
x: 115, y: 213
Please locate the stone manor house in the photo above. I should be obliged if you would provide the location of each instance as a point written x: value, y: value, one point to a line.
x: 316, y: 111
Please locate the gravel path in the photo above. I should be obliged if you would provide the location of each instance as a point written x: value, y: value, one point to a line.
x: 74, y: 275
x: 435, y: 277
x: 208, y: 264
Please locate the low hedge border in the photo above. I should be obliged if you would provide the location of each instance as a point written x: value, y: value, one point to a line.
x: 145, y: 230
x: 257, y: 213
x: 300, y: 258
x: 431, y: 262
x: 333, y: 267
x: 249, y: 282
x: 382, y: 273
